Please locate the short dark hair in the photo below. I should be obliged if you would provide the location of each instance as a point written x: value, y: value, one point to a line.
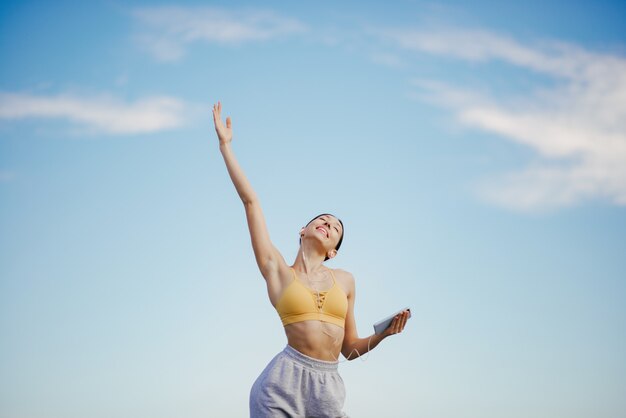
x: 342, y: 229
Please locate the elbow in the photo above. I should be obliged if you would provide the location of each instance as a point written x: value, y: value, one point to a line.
x: 349, y: 353
x: 249, y: 201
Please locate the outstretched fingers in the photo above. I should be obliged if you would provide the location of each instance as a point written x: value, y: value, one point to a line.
x: 217, y: 114
x: 224, y: 133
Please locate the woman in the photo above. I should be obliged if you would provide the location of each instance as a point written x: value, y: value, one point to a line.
x: 315, y: 304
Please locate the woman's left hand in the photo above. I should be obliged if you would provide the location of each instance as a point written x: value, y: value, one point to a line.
x: 398, y: 323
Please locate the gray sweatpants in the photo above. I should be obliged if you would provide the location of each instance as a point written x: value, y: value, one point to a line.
x: 296, y: 385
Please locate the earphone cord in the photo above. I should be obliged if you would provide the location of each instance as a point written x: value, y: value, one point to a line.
x: 335, y: 339
x: 347, y: 358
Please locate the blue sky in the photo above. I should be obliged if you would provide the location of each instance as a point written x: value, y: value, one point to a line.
x: 475, y: 153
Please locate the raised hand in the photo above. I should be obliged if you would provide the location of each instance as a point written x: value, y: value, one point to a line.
x: 224, y: 133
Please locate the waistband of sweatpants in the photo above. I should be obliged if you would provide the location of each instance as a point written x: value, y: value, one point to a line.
x: 310, y: 362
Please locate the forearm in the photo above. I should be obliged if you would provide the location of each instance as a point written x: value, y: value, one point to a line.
x: 360, y: 346
x: 237, y: 176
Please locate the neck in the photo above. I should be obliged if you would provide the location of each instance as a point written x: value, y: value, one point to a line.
x: 308, y: 259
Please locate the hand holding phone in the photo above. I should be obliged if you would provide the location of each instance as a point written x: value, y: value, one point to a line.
x: 383, y: 324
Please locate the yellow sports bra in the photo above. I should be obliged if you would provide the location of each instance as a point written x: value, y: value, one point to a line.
x: 299, y: 303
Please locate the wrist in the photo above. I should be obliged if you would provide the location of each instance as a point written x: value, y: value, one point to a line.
x: 375, y: 339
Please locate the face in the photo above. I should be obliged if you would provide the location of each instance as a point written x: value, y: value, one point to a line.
x: 326, y: 228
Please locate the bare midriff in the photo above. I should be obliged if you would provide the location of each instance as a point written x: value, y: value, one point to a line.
x: 317, y: 339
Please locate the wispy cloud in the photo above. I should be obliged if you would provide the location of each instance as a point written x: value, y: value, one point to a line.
x: 166, y: 31
x: 577, y: 127
x: 100, y: 114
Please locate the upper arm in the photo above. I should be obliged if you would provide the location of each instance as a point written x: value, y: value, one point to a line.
x: 350, y: 331
x: 268, y: 258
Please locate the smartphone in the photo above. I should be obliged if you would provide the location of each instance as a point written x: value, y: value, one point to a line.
x: 383, y: 324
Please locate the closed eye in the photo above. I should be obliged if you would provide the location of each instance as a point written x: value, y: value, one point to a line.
x: 324, y: 219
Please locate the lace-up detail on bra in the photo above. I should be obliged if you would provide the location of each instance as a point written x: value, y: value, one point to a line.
x: 300, y: 303
x: 320, y: 298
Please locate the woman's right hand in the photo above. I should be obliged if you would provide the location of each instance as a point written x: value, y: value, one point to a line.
x: 224, y: 133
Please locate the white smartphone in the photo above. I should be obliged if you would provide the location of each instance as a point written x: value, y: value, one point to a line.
x: 383, y: 324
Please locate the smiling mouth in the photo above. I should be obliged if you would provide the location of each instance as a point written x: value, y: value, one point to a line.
x: 319, y: 228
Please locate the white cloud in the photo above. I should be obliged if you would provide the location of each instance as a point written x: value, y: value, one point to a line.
x: 101, y: 114
x: 166, y: 31
x: 554, y: 58
x: 577, y: 128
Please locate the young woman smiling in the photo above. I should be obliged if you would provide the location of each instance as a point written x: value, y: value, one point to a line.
x: 315, y: 304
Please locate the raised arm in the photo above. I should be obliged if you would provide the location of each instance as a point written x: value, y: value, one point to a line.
x: 267, y: 256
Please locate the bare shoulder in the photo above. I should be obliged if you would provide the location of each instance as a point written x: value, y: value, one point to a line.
x: 341, y: 274
x: 345, y: 279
